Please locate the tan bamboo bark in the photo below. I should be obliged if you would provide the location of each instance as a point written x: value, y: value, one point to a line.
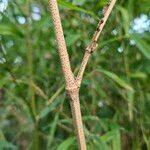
x: 72, y: 84
x: 69, y: 78
x: 93, y: 44
x: 77, y: 119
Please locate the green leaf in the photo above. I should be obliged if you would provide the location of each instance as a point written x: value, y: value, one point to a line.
x: 116, y: 142
x: 113, y: 136
x: 126, y: 19
x: 79, y: 2
x: 37, y: 89
x: 142, y: 45
x: 65, y: 145
x: 45, y: 111
x: 130, y: 98
x: 52, y: 131
x: 139, y: 75
x: 3, y: 82
x: 101, y: 145
x: 55, y: 95
x: 76, y: 8
x: 2, y: 137
x: 116, y: 79
x: 7, y: 27
x: 108, y: 136
x: 7, y: 145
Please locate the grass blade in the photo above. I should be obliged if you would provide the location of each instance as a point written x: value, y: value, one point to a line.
x: 65, y: 145
x: 116, y: 79
x: 52, y: 131
x: 141, y: 44
x: 76, y: 8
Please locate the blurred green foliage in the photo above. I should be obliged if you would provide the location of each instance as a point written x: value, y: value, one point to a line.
x: 115, y: 93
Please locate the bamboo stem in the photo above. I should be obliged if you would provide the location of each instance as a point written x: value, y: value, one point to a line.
x: 30, y: 58
x: 72, y: 84
x: 36, y: 141
x: 62, y: 50
x: 93, y: 44
x: 76, y: 113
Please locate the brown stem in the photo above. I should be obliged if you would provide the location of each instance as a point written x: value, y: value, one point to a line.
x: 62, y: 50
x: 77, y: 119
x: 93, y: 44
x: 71, y: 86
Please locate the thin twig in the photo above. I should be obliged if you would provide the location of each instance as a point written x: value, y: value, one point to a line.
x: 93, y: 44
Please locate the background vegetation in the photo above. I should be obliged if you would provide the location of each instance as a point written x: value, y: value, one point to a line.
x: 115, y: 93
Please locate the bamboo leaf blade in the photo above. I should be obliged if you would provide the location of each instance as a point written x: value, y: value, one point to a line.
x: 141, y: 44
x: 76, y: 8
x: 65, y: 145
x: 116, y: 79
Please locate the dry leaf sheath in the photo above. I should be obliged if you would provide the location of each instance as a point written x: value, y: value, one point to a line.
x: 72, y: 84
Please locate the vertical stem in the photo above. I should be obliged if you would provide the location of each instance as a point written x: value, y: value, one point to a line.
x: 71, y: 85
x: 130, y: 94
x: 62, y: 49
x: 77, y: 119
x: 30, y: 58
x: 35, y: 145
x: 30, y: 71
x: 36, y: 139
x: 126, y: 65
x: 31, y: 87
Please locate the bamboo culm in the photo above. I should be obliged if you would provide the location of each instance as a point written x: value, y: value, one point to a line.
x: 73, y: 84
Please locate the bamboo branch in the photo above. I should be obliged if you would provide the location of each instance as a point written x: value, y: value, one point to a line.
x: 93, y: 44
x: 71, y: 86
x: 62, y: 50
